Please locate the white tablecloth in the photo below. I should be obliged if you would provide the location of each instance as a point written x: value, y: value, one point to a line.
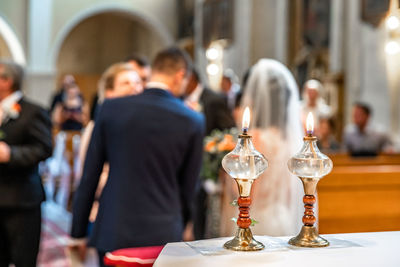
x: 356, y: 249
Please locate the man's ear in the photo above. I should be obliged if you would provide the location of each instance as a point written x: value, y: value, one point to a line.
x: 180, y: 74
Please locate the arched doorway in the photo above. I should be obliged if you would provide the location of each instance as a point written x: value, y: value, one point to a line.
x: 10, y: 47
x: 100, y: 40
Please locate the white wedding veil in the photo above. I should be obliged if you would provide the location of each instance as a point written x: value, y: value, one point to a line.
x: 272, y: 95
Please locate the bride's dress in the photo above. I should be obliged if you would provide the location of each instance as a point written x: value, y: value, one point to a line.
x: 276, y: 194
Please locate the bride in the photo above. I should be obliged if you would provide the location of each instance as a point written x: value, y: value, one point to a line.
x: 272, y: 95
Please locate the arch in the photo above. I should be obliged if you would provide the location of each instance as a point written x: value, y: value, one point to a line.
x: 14, y: 45
x: 105, y: 8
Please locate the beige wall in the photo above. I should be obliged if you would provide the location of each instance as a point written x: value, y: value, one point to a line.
x: 14, y: 13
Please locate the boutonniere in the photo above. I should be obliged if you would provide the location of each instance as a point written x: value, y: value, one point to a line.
x: 13, y: 111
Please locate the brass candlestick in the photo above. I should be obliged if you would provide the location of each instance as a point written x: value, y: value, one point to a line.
x: 244, y: 164
x: 310, y: 165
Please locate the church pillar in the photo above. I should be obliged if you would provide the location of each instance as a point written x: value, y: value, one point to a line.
x: 40, y: 77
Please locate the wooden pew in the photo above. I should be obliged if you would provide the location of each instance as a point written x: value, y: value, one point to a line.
x: 360, y: 195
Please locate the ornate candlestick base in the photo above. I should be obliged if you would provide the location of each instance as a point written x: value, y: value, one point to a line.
x: 308, y: 236
x: 243, y: 240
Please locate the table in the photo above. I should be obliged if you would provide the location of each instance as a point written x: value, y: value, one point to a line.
x: 355, y: 249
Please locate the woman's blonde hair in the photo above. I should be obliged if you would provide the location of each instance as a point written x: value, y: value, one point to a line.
x: 107, y: 79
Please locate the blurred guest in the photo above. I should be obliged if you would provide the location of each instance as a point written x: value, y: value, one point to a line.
x: 271, y: 93
x: 218, y: 116
x: 141, y: 65
x: 326, y: 140
x: 72, y: 112
x: 208, y: 102
x: 153, y: 144
x: 25, y: 140
x: 58, y: 97
x: 313, y: 102
x: 230, y: 87
x: 360, y: 138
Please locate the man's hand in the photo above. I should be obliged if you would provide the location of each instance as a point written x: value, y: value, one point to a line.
x: 5, y: 152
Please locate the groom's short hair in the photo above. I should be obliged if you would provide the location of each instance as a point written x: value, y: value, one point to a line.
x: 171, y: 60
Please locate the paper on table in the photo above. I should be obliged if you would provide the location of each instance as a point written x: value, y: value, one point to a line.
x: 214, y: 247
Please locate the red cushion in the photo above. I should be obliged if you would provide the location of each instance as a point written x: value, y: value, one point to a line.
x: 143, y: 256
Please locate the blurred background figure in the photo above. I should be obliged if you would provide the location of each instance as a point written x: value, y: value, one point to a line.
x: 313, y: 102
x: 69, y: 117
x: 141, y: 65
x: 210, y: 103
x: 327, y: 142
x: 230, y: 87
x: 361, y: 138
x: 272, y: 95
x: 59, y: 96
x: 72, y: 113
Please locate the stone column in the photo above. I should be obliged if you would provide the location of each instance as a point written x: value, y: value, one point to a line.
x: 40, y: 76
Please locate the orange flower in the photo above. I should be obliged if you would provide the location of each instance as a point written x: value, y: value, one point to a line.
x: 17, y: 107
x: 227, y: 143
x: 210, y: 145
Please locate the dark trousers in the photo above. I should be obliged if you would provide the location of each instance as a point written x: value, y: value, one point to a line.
x: 19, y: 236
x: 199, y: 222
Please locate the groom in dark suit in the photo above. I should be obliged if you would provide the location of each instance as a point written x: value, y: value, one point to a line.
x: 25, y: 140
x: 153, y: 144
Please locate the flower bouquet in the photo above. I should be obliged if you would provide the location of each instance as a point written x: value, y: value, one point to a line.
x: 216, y: 146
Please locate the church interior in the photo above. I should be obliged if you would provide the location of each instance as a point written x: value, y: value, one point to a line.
x: 343, y: 57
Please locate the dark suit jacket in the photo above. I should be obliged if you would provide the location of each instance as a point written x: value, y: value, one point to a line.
x: 216, y: 111
x: 29, y: 137
x: 153, y: 144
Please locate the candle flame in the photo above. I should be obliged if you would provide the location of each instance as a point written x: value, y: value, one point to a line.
x: 246, y: 119
x: 310, y: 123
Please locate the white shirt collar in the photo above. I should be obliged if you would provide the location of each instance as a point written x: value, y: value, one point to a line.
x: 159, y: 85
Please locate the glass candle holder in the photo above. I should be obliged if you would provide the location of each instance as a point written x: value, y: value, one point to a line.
x: 244, y: 164
x: 310, y: 165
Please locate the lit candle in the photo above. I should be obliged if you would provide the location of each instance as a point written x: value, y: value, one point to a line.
x: 246, y: 120
x: 310, y: 124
